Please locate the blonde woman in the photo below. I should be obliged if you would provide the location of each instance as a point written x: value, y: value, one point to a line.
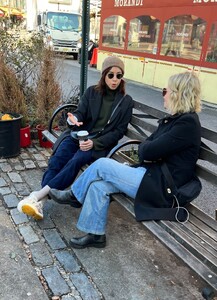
x: 176, y: 141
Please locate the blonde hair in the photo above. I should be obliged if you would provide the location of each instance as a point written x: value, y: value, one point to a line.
x: 185, y: 93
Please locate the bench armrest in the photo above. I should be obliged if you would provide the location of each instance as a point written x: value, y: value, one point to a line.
x: 59, y: 115
x: 121, y: 145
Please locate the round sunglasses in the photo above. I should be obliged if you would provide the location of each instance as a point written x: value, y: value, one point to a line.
x: 118, y: 76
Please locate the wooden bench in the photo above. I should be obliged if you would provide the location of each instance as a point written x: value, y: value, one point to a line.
x: 194, y: 242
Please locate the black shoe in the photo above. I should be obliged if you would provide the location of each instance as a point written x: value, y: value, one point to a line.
x: 64, y: 197
x: 89, y: 240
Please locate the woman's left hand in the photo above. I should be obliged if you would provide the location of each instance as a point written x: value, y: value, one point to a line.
x: 86, y: 145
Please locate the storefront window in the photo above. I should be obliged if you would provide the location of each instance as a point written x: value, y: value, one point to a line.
x: 114, y: 32
x: 211, y: 54
x: 143, y: 34
x: 183, y: 37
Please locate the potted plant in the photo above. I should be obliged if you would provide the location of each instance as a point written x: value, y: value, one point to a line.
x: 13, y: 111
x: 47, y: 94
x: 21, y: 56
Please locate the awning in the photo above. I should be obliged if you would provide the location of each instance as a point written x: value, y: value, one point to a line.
x: 11, y: 11
x: 4, y: 10
x: 16, y: 12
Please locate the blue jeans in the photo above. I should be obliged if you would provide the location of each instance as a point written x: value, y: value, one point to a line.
x: 93, y: 187
x: 65, y: 164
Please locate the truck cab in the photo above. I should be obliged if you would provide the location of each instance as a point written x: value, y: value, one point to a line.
x: 62, y: 31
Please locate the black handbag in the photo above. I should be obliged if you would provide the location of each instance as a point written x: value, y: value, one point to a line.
x: 184, y: 194
x: 166, y: 201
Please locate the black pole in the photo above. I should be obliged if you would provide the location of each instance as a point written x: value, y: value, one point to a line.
x: 84, y: 45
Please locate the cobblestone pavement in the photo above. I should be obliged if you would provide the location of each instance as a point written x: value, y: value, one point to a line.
x: 55, y: 265
x: 133, y: 266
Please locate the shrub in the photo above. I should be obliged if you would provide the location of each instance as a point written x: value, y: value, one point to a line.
x: 48, y: 92
x: 12, y: 99
x: 22, y: 55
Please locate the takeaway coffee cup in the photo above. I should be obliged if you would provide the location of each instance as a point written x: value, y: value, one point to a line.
x: 82, y: 135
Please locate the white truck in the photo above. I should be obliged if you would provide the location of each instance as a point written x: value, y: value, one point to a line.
x: 60, y: 21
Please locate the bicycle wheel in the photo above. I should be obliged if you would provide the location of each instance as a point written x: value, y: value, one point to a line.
x: 58, y: 122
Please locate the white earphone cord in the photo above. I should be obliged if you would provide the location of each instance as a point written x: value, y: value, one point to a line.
x: 178, y: 208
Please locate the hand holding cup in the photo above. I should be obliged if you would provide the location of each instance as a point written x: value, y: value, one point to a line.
x: 85, y: 143
x: 82, y: 135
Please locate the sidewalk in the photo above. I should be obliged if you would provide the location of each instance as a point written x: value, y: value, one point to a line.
x: 37, y: 264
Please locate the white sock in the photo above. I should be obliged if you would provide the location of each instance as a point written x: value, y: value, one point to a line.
x: 41, y: 193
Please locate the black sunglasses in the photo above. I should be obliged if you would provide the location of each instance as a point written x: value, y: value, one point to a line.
x: 118, y: 76
x: 164, y: 91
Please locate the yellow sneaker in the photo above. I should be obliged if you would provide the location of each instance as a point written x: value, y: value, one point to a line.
x: 33, y: 210
x: 31, y: 207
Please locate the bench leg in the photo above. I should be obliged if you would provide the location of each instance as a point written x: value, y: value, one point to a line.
x: 208, y: 293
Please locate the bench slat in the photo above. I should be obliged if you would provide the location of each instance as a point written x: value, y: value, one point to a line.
x: 188, y: 239
x: 171, y: 243
x: 191, y: 244
x: 149, y: 110
x: 209, y: 134
x: 130, y: 134
x: 204, y: 238
x: 199, y: 214
x: 206, y: 174
x: 185, y: 255
x: 49, y: 136
x: 204, y: 227
x: 208, y: 155
x: 143, y: 124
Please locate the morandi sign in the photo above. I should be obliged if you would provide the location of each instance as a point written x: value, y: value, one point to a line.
x: 120, y: 3
x: 128, y: 3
